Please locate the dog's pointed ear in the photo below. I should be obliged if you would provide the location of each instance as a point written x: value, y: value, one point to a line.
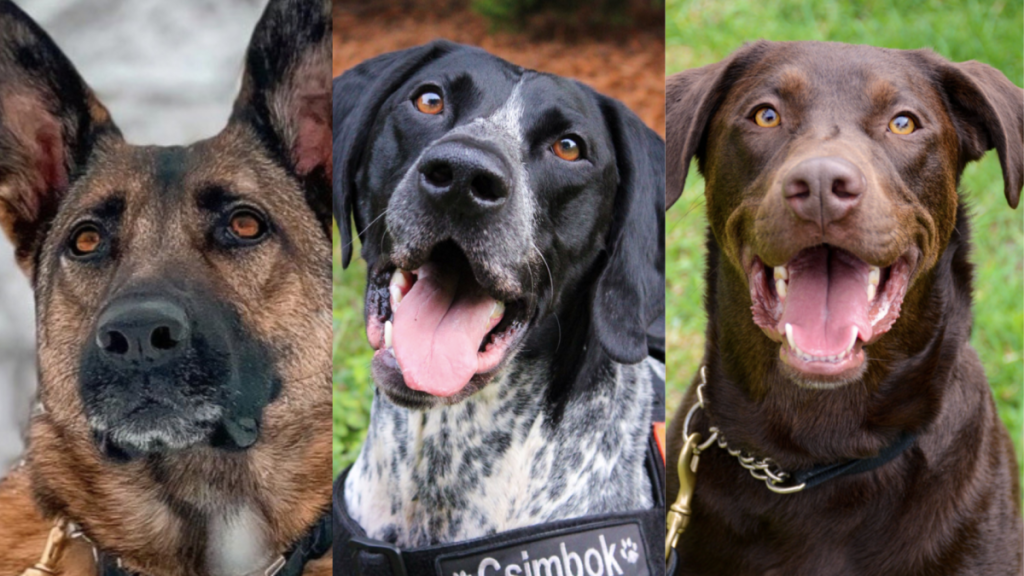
x: 629, y: 296
x: 50, y: 123
x: 286, y: 94
x: 358, y: 96
x: 691, y: 99
x: 988, y: 112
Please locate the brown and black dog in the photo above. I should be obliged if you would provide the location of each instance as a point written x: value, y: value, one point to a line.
x: 839, y: 311
x: 183, y: 298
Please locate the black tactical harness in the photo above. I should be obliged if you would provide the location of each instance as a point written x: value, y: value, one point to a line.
x: 623, y: 544
x: 315, y: 544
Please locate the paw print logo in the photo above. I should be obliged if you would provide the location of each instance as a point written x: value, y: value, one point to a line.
x: 628, y: 551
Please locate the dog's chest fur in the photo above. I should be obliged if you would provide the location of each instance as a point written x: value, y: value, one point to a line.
x: 237, y: 542
x: 493, y: 463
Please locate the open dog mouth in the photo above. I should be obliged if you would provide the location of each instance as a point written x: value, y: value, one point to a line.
x: 825, y: 305
x: 439, y: 325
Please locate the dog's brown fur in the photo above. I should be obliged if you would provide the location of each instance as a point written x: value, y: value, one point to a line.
x: 59, y: 154
x: 950, y: 503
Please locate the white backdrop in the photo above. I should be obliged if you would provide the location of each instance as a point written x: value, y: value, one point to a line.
x: 168, y: 72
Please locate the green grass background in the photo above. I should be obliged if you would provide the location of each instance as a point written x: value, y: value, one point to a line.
x: 702, y: 32
x: 353, y: 387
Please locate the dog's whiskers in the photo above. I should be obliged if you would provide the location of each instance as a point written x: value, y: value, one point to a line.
x: 365, y: 228
x: 551, y: 279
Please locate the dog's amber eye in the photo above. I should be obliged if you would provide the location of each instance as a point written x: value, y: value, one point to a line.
x: 86, y: 240
x: 430, y: 102
x: 902, y: 125
x: 246, y: 225
x: 567, y: 149
x: 766, y: 117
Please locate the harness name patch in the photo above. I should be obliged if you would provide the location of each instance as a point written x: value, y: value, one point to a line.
x: 606, y: 551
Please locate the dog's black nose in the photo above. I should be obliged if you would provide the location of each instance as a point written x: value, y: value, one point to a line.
x: 824, y: 189
x: 142, y: 332
x: 465, y: 177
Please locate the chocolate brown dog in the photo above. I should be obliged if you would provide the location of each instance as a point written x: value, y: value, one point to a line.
x: 183, y: 329
x: 839, y: 311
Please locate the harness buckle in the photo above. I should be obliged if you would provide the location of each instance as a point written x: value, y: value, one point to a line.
x: 392, y: 553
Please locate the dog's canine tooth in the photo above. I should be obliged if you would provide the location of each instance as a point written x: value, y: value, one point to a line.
x: 853, y: 340
x: 387, y: 334
x: 872, y: 290
x: 781, y: 273
x: 397, y: 287
x: 874, y: 275
x: 780, y: 287
x: 398, y: 278
x: 498, y: 312
x: 789, y: 337
x: 396, y: 297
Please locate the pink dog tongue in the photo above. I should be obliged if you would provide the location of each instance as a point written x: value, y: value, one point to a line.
x: 438, y: 329
x: 826, y: 298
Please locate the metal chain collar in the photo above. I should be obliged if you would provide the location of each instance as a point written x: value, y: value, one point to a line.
x: 764, y: 469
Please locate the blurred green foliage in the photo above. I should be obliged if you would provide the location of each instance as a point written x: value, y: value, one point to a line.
x: 353, y: 387
x: 700, y: 32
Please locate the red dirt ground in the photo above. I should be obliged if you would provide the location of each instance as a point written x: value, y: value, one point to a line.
x: 629, y: 66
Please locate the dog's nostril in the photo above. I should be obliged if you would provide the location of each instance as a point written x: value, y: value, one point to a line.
x: 798, y: 189
x: 114, y: 342
x: 845, y: 189
x: 162, y: 339
x: 440, y: 175
x: 486, y: 188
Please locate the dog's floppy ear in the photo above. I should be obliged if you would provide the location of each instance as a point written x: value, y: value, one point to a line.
x: 988, y: 112
x: 50, y: 123
x: 358, y: 96
x: 629, y: 296
x: 286, y: 93
x: 691, y: 99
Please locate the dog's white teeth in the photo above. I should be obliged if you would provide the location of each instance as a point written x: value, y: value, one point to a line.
x: 780, y: 288
x: 789, y: 337
x: 396, y: 297
x: 400, y: 279
x: 874, y: 275
x: 387, y: 334
x: 401, y: 282
x: 498, y: 312
x: 853, y: 340
x: 781, y: 273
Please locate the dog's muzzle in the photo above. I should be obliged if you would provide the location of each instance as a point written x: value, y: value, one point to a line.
x: 165, y: 370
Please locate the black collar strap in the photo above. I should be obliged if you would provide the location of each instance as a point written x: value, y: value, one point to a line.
x: 779, y: 481
x: 315, y: 544
x: 624, y: 544
x: 819, y: 474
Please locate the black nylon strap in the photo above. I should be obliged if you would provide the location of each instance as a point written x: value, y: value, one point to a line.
x: 315, y: 544
x: 820, y: 474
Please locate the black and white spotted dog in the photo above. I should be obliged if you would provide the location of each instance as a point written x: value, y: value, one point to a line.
x: 512, y: 222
